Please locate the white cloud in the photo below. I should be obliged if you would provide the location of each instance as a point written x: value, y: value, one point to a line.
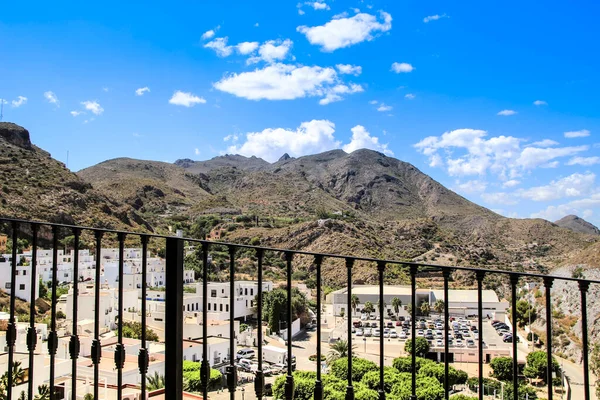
x: 287, y: 82
x: 311, y: 137
x: 540, y: 103
x: 402, y: 67
x: 185, y: 99
x: 577, y: 134
x: 349, y: 69
x: 51, y: 97
x: 410, y: 96
x: 506, y: 113
x: 105, y: 89
x: 501, y: 198
x: 272, y: 50
x: 256, y: 25
x: 247, y: 47
x: 344, y: 32
x: 210, y: 34
x: 545, y: 143
x: 532, y: 157
x: 76, y: 113
x: 383, y: 108
x: 587, y: 161
x: 373, y: 102
x: 21, y: 100
x: 511, y: 183
x: 300, y: 12
x: 317, y: 5
x: 141, y: 91
x: 197, y: 151
x: 575, y: 185
x: 469, y: 152
x: 583, y: 207
x: 93, y: 106
x: 470, y: 187
x: 362, y: 139
x: 434, y: 17
x: 219, y: 45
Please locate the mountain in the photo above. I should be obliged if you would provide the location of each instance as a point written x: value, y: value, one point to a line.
x: 363, y: 203
x: 36, y: 186
x: 576, y: 224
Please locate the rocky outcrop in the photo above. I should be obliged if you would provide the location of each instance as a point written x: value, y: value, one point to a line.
x: 15, y: 135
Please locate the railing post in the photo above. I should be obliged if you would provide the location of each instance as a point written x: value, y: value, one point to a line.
x: 289, y: 379
x: 583, y: 288
x: 548, y: 285
x: 480, y: 275
x: 259, y: 381
x: 514, y: 281
x: 381, y: 270
x: 413, y: 317
x: 350, y: 388
x: 446, y: 275
x: 318, y: 384
x: 174, y: 319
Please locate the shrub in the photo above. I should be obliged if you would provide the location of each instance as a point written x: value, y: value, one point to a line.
x: 404, y: 364
x: 391, y: 377
x: 313, y: 357
x: 502, y: 368
x: 421, y: 346
x: 360, y: 367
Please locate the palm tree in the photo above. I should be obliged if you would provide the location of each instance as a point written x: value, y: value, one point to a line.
x: 368, y: 308
x: 438, y: 306
x: 338, y: 350
x: 396, y: 304
x: 354, y: 301
x: 425, y: 308
x: 155, y: 382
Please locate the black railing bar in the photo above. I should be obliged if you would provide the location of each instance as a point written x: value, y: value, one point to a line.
x: 446, y: 275
x: 233, y: 372
x: 319, y: 383
x: 143, y: 357
x: 350, y: 388
x: 381, y: 270
x: 327, y: 255
x: 289, y: 379
x: 583, y: 288
x: 513, y: 283
x: 74, y: 343
x: 53, y: 339
x: 413, y: 322
x: 204, y: 365
x: 120, y: 349
x: 259, y: 381
x: 550, y: 367
x: 12, y: 328
x: 96, y: 351
x: 480, y: 275
x: 32, y: 334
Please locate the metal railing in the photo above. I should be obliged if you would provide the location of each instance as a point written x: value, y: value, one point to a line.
x: 174, y: 260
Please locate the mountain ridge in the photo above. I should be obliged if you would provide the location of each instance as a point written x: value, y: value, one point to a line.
x: 577, y: 224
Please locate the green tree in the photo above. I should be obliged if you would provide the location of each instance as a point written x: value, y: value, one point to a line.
x: 396, y: 304
x: 354, y: 301
x: 428, y: 388
x: 404, y: 364
x: 368, y: 308
x: 88, y: 396
x: 437, y: 371
x: 525, y: 311
x: 438, y: 306
x: 421, y: 346
x: 502, y: 368
x: 275, y: 306
x: 425, y: 308
x: 43, y: 289
x: 525, y: 392
x: 537, y: 364
x: 134, y: 330
x: 360, y: 367
x: 391, y: 377
x: 155, y: 382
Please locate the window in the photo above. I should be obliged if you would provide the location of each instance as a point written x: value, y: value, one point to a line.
x: 227, y: 307
x: 220, y: 307
x: 213, y: 293
x: 222, y: 291
x: 66, y: 274
x: 208, y: 306
x: 22, y: 286
x: 17, y: 272
x: 251, y: 292
x: 246, y: 292
x: 24, y: 272
x: 7, y: 285
x: 246, y: 303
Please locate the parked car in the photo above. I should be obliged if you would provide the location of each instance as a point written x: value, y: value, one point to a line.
x: 368, y: 332
x: 390, y: 324
x: 402, y: 335
x: 470, y: 343
x: 245, y: 353
x: 393, y: 334
x: 459, y: 342
x: 439, y: 343
x: 364, y: 317
x: 398, y: 323
x: 246, y: 365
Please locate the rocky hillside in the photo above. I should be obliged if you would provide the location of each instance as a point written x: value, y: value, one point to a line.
x: 363, y: 203
x: 576, y: 224
x: 36, y: 186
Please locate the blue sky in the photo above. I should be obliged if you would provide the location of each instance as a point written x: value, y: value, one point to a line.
x: 496, y: 101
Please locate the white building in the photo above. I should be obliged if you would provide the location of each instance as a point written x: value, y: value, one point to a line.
x: 465, y: 303
x: 218, y: 298
x: 23, y: 278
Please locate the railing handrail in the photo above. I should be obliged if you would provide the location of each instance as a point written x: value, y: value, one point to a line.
x: 309, y: 253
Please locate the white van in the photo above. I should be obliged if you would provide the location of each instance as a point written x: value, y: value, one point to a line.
x: 245, y: 353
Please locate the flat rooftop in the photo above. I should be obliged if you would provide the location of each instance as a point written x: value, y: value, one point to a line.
x: 467, y: 296
x: 395, y: 290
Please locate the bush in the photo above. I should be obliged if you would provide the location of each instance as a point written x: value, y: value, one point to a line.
x: 537, y: 364
x: 524, y: 393
x: 502, y: 368
x: 404, y: 364
x: 427, y: 389
x: 360, y: 367
x: 391, y: 377
x: 313, y: 357
x: 191, y: 377
x: 437, y: 371
x: 421, y: 346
